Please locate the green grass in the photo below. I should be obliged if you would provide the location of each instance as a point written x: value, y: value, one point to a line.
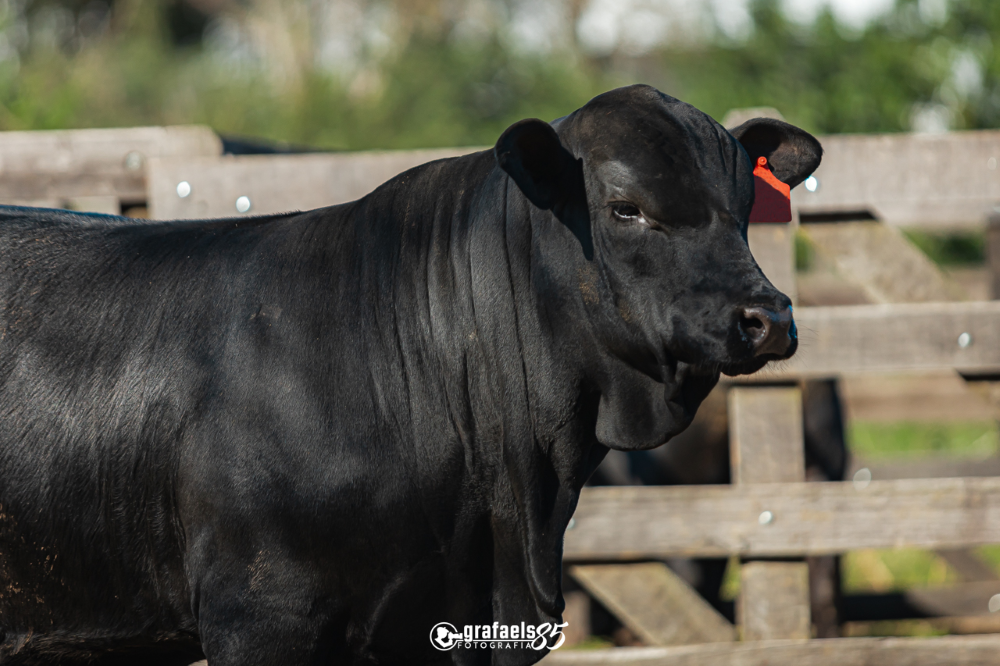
x: 901, y: 569
x: 893, y: 570
x: 593, y: 643
x: 990, y: 555
x: 877, y: 440
x: 805, y: 252
x: 889, y: 570
x: 967, y: 248
x: 731, y: 580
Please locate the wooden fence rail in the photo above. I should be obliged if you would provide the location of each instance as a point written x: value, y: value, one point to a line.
x: 632, y: 523
x: 59, y: 168
x: 273, y: 183
x: 940, y: 180
x: 901, y: 179
x: 898, y: 337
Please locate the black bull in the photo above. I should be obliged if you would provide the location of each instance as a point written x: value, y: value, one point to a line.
x: 308, y: 438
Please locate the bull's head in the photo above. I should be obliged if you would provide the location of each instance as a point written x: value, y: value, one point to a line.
x: 658, y: 197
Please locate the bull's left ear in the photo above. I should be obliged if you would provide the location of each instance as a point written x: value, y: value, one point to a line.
x: 531, y: 153
x: 793, y: 154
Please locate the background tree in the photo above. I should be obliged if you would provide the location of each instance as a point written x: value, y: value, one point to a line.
x: 355, y: 74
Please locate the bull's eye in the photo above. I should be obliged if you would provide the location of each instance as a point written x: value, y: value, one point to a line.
x: 626, y: 212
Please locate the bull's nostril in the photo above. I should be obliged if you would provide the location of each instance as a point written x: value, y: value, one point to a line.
x: 753, y: 327
x: 768, y: 332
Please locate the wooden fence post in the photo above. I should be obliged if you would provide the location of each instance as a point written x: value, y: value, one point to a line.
x: 766, y: 447
x: 772, y: 245
x: 993, y: 253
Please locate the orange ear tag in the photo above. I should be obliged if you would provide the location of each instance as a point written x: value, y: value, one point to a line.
x: 772, y: 199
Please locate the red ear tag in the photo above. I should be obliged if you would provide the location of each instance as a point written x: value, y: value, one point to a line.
x: 772, y: 200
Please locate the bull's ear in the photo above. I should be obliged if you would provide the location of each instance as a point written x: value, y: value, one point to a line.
x: 793, y: 154
x: 531, y: 153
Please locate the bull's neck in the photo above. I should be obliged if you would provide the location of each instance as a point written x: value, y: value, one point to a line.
x: 458, y: 256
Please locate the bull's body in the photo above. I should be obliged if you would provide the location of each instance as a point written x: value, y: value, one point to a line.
x: 309, y: 438
x: 191, y: 403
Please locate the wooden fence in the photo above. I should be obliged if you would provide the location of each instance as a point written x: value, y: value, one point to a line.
x: 931, y: 180
x: 100, y: 170
x: 769, y: 517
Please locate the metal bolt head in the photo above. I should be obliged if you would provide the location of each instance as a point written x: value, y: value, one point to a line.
x: 862, y: 478
x: 812, y: 183
x: 964, y: 340
x: 994, y: 604
x: 133, y: 160
x: 183, y: 189
x: 765, y: 518
x: 243, y: 204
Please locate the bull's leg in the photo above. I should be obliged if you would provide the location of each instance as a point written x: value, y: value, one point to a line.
x: 266, y: 612
x: 274, y: 628
x: 251, y: 623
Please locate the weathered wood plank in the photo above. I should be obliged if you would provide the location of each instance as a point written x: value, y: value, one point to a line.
x: 63, y: 164
x: 654, y: 603
x: 765, y: 435
x: 903, y: 179
x: 961, y: 625
x: 927, y: 467
x: 940, y: 395
x: 577, y: 615
x: 882, y: 261
x: 275, y: 183
x: 993, y: 253
x: 766, y: 446
x: 949, y: 650
x: 908, y: 179
x: 774, y: 600
x: 630, y: 523
x: 772, y: 246
x: 893, y: 338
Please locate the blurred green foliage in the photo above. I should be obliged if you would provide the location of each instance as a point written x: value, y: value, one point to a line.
x: 805, y: 253
x: 829, y: 79
x: 951, y: 249
x: 892, y: 570
x: 436, y: 90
